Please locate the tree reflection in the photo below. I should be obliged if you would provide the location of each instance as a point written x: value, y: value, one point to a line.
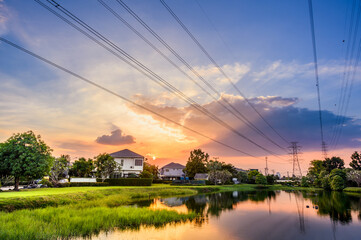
x: 337, y: 205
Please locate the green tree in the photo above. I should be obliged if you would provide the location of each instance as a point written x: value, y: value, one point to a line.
x: 338, y: 172
x: 146, y: 174
x: 25, y: 155
x: 230, y: 168
x: 326, y: 183
x: 153, y: 169
x: 261, y: 179
x: 304, y: 182
x: 333, y: 163
x: 252, y: 176
x: 270, y: 179
x: 196, y: 163
x: 356, y: 161
x: 337, y: 183
x: 242, y: 177
x: 59, y: 168
x: 214, y: 165
x: 82, y: 167
x: 316, y: 167
x: 221, y: 176
x: 105, y: 165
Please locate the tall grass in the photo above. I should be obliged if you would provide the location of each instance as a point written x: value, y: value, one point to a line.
x: 67, y: 221
x: 103, y: 197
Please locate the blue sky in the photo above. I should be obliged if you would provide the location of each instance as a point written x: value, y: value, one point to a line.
x: 264, y: 46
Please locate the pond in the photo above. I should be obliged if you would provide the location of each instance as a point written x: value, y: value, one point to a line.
x: 256, y: 215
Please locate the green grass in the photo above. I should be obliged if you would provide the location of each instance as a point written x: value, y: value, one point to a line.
x: 353, y: 189
x: 57, y: 213
x: 67, y: 221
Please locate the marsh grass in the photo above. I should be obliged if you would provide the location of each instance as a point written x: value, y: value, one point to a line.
x: 105, y: 197
x: 67, y: 221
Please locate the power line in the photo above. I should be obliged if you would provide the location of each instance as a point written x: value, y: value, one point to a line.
x: 118, y: 95
x: 347, y: 88
x: 141, y: 68
x: 323, y: 144
x: 234, y: 111
x: 218, y: 67
x: 339, y: 108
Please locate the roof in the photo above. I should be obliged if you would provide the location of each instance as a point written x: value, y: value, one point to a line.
x: 125, y: 153
x: 174, y: 165
x: 201, y: 176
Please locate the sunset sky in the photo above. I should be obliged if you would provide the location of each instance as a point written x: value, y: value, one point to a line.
x: 264, y: 46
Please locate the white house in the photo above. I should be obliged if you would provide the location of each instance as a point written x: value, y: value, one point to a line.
x: 129, y: 161
x: 172, y: 171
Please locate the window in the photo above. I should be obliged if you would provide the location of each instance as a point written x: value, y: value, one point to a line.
x: 138, y: 162
x: 122, y: 162
x: 167, y: 170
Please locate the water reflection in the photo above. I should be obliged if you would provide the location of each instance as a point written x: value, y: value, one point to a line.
x: 257, y: 215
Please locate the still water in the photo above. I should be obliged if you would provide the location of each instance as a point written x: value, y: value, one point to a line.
x: 256, y: 215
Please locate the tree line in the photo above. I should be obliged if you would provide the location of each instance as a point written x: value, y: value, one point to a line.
x: 220, y: 172
x: 331, y: 173
x: 25, y: 157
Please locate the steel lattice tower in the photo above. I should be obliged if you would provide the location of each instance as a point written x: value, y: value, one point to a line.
x: 295, y: 150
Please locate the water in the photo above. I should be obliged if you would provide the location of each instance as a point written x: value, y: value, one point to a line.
x: 256, y: 215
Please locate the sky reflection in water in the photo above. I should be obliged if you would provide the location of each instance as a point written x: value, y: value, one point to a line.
x: 256, y: 215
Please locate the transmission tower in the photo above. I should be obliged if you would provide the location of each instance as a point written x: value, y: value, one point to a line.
x: 324, y: 150
x: 266, y: 169
x: 296, y: 172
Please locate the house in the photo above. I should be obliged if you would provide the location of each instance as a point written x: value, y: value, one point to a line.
x: 172, y: 171
x: 201, y: 176
x: 130, y: 162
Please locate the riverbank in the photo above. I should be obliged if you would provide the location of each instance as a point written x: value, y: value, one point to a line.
x: 113, y: 196
x: 81, y: 211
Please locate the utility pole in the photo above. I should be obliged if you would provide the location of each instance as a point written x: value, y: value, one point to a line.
x: 296, y: 172
x: 266, y: 169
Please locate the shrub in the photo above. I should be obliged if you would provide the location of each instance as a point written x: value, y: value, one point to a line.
x: 162, y: 181
x: 146, y: 174
x: 129, y: 181
x: 337, y: 183
x: 338, y: 172
x: 260, y: 179
x: 304, y: 182
x: 46, y: 182
x: 270, y: 179
x: 326, y: 183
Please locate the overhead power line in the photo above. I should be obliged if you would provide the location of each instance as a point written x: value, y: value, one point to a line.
x: 223, y: 102
x: 118, y: 95
x: 350, y: 69
x: 323, y: 144
x: 218, y: 67
x: 141, y: 68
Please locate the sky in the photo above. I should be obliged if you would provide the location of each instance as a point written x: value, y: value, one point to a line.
x: 264, y: 47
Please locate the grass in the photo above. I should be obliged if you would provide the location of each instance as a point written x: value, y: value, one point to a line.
x: 57, y: 213
x: 65, y: 222
x: 353, y: 189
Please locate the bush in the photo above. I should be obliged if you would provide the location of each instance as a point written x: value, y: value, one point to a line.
x: 260, y: 179
x: 146, y: 174
x: 129, y: 181
x: 338, y: 172
x: 270, y: 179
x: 304, y: 182
x: 326, y: 183
x: 337, y: 183
x: 46, y: 182
x: 162, y: 181
x: 83, y: 184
